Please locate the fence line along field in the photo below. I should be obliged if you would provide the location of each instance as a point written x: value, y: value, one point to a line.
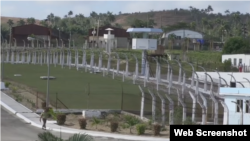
x: 77, y: 89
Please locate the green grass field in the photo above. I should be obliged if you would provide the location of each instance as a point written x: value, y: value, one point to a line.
x: 72, y: 87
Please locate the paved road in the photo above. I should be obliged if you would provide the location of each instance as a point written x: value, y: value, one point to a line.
x: 14, y: 129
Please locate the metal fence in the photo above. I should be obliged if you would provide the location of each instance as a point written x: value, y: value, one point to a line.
x: 167, y: 87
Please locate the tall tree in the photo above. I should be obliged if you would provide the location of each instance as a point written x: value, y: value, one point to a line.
x: 20, y: 22
x: 31, y: 20
x: 10, y: 23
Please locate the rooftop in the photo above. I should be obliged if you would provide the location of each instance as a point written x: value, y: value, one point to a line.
x: 235, y: 92
x: 148, y: 30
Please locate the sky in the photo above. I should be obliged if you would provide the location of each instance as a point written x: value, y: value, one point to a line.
x: 40, y: 9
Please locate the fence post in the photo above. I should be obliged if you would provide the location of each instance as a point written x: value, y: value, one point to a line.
x: 56, y: 101
x: 122, y: 99
x: 36, y: 100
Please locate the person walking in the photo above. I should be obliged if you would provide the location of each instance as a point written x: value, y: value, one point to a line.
x: 240, y: 67
x: 44, y: 116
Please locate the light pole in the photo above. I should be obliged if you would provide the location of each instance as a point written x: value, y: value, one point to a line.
x: 2, y: 59
x: 48, y: 77
x: 241, y: 121
x: 60, y: 34
x: 93, y: 32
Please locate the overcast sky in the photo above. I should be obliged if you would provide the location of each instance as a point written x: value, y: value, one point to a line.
x: 40, y: 9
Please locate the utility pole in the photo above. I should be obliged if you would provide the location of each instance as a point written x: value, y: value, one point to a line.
x: 147, y: 20
x: 161, y: 20
x: 10, y: 36
x: 98, y: 25
x: 244, y: 30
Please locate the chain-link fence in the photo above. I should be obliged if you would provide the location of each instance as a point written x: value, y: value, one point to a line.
x: 123, y: 93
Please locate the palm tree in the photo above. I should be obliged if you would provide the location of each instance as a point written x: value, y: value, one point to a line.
x: 20, y: 22
x: 204, y: 23
x: 31, y: 20
x: 10, y: 23
x: 171, y: 38
x: 70, y: 13
x: 193, y: 25
x: 209, y: 9
x: 50, y: 18
x: 47, y: 136
x: 227, y: 12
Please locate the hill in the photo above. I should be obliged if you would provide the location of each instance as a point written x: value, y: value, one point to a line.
x: 4, y: 19
x: 161, y: 18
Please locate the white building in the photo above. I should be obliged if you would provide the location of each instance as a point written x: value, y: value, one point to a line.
x: 196, y: 38
x: 236, y: 58
x: 240, y: 96
x: 184, y: 34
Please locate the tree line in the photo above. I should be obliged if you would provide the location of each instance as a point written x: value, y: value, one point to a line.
x: 214, y: 26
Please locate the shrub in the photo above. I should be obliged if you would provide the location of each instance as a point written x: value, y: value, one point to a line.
x: 131, y: 121
x: 157, y: 129
x: 82, y: 123
x: 189, y: 121
x: 113, y: 126
x: 125, y: 125
x: 140, y: 129
x: 61, y: 118
x: 7, y: 84
x: 96, y: 122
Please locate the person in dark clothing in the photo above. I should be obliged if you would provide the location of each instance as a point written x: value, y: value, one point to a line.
x: 44, y: 116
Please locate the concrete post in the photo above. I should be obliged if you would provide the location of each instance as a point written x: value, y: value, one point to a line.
x: 226, y: 113
x: 184, y: 109
x: 171, y: 109
x: 163, y: 103
x: 92, y: 60
x: 204, y: 104
x: 193, y: 106
x: 153, y: 105
x: 142, y: 102
x: 109, y: 60
x: 84, y: 58
x: 100, y: 61
x: 136, y: 67
x: 118, y: 63
x: 180, y: 70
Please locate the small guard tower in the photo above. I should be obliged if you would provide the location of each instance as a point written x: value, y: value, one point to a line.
x: 108, y: 37
x: 144, y: 43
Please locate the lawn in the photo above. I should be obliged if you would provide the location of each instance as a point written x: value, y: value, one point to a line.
x: 73, y: 87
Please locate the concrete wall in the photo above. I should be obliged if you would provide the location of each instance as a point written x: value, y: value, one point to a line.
x: 238, y: 76
x: 235, y: 117
x: 235, y: 58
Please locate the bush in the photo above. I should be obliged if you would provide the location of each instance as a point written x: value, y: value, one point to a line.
x: 7, y: 84
x: 82, y: 123
x: 140, y: 129
x: 61, y: 118
x: 113, y: 126
x: 189, y: 121
x: 131, y: 121
x: 157, y: 129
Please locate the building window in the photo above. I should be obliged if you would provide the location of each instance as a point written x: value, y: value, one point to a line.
x: 247, y: 107
x: 178, y: 37
x: 239, y: 102
x: 240, y: 60
x: 235, y: 61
